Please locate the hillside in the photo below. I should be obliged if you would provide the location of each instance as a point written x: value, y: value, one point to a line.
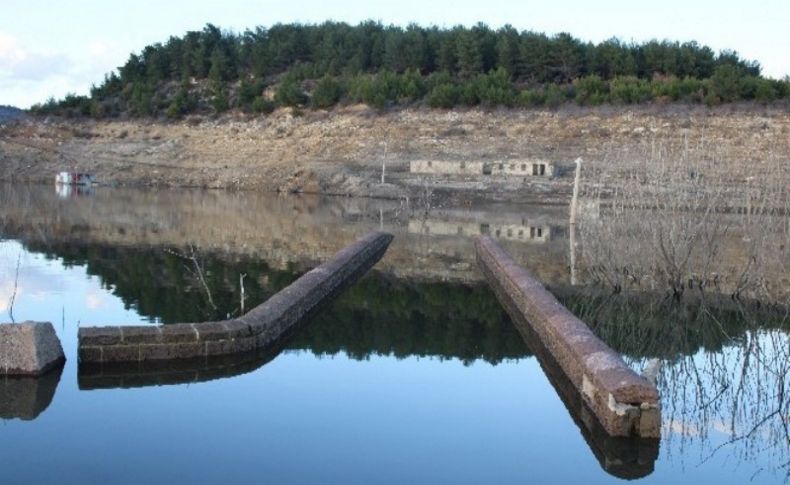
x: 9, y: 113
x: 320, y: 66
x: 342, y: 152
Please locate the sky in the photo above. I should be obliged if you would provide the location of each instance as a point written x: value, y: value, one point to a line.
x: 52, y: 48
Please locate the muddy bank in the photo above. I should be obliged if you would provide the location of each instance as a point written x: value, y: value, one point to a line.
x: 341, y: 152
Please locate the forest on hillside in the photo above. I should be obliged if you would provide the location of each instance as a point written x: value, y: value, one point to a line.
x: 319, y: 66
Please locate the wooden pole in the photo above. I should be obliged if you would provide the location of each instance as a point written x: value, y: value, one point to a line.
x: 241, y: 285
x: 574, y: 202
x: 575, y: 198
x: 384, y: 163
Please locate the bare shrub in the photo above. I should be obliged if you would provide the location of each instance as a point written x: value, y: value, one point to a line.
x: 674, y: 220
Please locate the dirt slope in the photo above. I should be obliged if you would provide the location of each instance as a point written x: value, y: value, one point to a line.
x: 340, y: 152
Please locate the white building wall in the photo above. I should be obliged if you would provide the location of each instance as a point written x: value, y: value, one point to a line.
x: 522, y: 168
x: 441, y: 167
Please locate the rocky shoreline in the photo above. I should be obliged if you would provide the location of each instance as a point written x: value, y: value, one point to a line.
x: 341, y: 152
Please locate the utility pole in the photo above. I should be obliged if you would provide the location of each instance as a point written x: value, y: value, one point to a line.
x: 241, y: 285
x: 575, y: 198
x: 384, y: 163
x: 574, y: 202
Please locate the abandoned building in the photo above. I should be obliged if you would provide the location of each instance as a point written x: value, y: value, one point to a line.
x: 539, y: 168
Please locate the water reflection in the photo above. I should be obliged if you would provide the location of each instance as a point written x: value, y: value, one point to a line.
x: 723, y: 383
x: 27, y: 397
x: 286, y: 231
x: 171, y: 372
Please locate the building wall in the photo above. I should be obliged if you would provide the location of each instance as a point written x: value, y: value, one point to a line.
x: 523, y: 168
x: 446, y: 167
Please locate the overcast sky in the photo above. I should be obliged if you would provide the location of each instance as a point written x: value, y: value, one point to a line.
x: 51, y: 48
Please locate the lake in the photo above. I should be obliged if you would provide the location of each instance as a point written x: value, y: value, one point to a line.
x: 414, y: 375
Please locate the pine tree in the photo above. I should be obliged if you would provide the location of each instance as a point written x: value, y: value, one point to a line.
x: 470, y: 59
x: 508, y: 50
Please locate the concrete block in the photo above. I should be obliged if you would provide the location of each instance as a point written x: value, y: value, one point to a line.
x: 141, y: 334
x: 95, y: 336
x: 177, y: 333
x: 211, y: 331
x: 121, y: 353
x: 29, y: 348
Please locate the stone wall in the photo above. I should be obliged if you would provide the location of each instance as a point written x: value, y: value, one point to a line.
x: 625, y: 403
x: 259, y: 328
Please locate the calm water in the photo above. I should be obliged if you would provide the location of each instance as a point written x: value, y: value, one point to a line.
x: 414, y: 375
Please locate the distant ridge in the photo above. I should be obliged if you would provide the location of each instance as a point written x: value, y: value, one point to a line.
x: 9, y: 113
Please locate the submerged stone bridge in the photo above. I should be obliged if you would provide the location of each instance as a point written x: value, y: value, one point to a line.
x: 261, y: 327
x: 625, y: 403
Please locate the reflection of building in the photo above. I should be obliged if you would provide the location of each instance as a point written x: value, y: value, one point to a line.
x: 302, y: 230
x: 524, y: 231
x: 65, y: 191
x: 539, y: 168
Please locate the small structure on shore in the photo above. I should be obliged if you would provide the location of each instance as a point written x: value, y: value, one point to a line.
x: 74, y: 178
x: 521, y: 168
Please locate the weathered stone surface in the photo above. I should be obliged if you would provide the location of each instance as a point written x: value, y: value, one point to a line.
x: 627, y: 457
x: 29, y: 348
x: 139, y: 334
x: 100, y: 335
x: 178, y: 333
x: 27, y: 397
x: 625, y: 403
x: 263, y: 326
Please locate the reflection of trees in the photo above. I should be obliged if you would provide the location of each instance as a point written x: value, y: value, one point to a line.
x: 644, y: 325
x: 158, y: 285
x: 391, y: 317
x: 726, y: 368
x: 378, y: 315
x: 726, y: 362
